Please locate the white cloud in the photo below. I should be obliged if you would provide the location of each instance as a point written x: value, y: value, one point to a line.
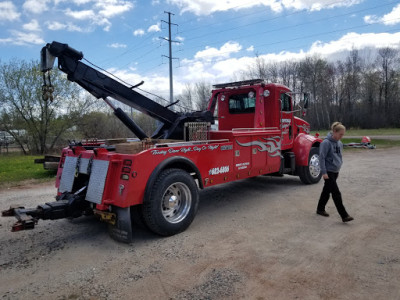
x: 207, y: 7
x: 224, y: 52
x: 103, y: 22
x: 100, y: 13
x: 81, y: 15
x: 138, y: 32
x: 35, y: 6
x: 80, y: 2
x: 111, y: 9
x: 250, y: 49
x: 153, y: 83
x: 117, y: 45
x: 90, y: 15
x: 32, y: 26
x: 60, y: 26
x: 391, y: 18
x: 8, y: 11
x: 226, y: 68
x: 357, y: 41
x: 154, y: 28
x: 22, y: 38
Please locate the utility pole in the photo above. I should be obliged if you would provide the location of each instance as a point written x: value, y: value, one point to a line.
x: 170, y: 41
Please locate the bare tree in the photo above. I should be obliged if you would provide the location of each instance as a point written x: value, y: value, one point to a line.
x: 37, y: 125
x: 258, y: 70
x: 196, y: 96
x: 388, y: 62
x: 203, y: 93
x: 186, y: 99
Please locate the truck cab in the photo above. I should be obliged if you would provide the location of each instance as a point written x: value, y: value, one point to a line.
x: 256, y: 105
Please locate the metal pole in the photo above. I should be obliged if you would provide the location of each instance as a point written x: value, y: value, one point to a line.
x: 170, y: 41
x: 171, y: 88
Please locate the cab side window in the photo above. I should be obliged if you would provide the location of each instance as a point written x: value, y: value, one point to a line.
x: 286, y: 103
x: 242, y: 103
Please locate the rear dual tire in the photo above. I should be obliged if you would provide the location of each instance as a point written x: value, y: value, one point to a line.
x: 172, y: 204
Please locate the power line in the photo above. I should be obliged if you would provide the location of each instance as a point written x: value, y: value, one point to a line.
x: 300, y: 38
x: 258, y: 12
x: 283, y: 28
x: 130, y: 49
x: 273, y: 18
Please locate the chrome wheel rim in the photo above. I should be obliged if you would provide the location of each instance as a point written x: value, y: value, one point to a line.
x: 176, y: 202
x: 315, y: 167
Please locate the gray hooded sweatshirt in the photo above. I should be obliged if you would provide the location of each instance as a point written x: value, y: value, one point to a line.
x: 330, y: 155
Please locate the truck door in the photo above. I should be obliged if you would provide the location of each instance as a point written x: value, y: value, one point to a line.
x: 286, y: 120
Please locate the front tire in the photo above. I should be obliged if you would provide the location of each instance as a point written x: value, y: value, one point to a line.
x: 172, y: 204
x: 312, y: 172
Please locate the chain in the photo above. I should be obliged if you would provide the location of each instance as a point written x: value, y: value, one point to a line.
x: 89, y: 169
x: 78, y: 163
x: 47, y: 88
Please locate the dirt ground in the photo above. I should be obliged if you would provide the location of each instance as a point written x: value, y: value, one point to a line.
x: 253, y: 239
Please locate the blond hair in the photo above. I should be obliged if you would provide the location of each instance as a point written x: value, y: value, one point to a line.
x: 337, y: 126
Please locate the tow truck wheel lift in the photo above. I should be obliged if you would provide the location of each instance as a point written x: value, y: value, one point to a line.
x: 66, y: 206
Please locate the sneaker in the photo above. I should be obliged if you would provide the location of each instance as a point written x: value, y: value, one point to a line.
x: 322, y: 213
x: 347, y: 219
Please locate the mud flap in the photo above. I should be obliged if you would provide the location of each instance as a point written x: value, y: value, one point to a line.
x: 122, y: 230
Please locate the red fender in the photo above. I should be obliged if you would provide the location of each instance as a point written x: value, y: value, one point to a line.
x: 302, y: 146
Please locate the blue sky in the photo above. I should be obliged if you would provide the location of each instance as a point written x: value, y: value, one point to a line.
x: 217, y: 39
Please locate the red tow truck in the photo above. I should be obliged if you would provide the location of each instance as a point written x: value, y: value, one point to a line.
x: 157, y: 179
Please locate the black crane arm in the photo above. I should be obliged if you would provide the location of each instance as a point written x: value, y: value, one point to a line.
x: 102, y: 86
x: 98, y: 84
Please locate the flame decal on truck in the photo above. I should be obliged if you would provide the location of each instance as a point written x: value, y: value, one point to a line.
x: 272, y: 145
x: 306, y: 128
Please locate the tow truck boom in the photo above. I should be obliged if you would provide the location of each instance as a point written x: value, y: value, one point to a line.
x: 103, y: 86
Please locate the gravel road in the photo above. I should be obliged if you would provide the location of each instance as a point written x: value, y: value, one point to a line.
x: 257, y: 238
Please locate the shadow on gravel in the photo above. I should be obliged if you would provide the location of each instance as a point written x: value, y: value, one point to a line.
x: 232, y: 193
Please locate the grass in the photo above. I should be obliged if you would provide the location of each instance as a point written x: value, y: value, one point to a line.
x: 16, y: 168
x: 363, y: 132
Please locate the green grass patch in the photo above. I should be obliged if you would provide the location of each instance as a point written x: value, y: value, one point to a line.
x: 363, y: 132
x: 15, y: 168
